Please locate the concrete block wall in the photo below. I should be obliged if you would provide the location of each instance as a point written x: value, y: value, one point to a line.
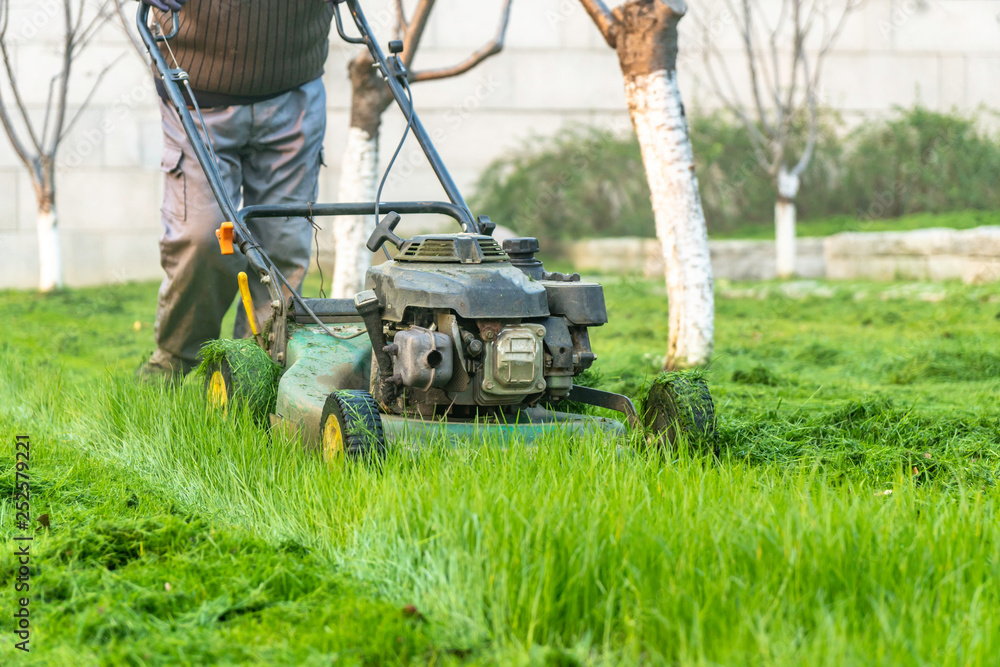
x: 731, y: 259
x: 972, y: 256
x: 556, y: 70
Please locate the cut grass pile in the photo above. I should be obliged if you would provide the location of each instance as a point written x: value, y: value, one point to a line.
x: 788, y: 550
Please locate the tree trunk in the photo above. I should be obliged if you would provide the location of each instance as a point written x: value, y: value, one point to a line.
x: 647, y: 52
x: 784, y: 222
x: 49, y: 252
x: 358, y: 178
x: 359, y: 172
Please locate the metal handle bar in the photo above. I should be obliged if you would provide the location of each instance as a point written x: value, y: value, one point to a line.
x: 399, y: 94
x: 362, y: 208
x: 174, y: 28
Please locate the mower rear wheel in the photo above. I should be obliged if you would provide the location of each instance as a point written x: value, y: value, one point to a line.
x: 351, y: 426
x: 219, y: 385
x: 679, y: 406
x: 243, y: 376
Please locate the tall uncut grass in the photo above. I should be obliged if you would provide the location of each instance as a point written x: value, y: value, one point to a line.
x: 611, y: 555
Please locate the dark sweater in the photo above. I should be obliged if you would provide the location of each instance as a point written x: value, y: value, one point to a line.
x: 239, y: 51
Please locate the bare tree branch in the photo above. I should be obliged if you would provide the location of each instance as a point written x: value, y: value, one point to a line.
x: 776, y: 88
x: 758, y: 141
x: 90, y: 95
x: 415, y: 30
x: 488, y: 50
x: 798, y: 46
x: 770, y: 76
x: 48, y: 110
x: 83, y: 37
x: 602, y: 18
x: 401, y: 22
x: 813, y: 124
x: 67, y: 67
x: 790, y: 96
x: 79, y: 17
x: 15, y: 140
x: 752, y: 63
x: 8, y: 124
x: 77, y: 34
x: 14, y: 87
x: 126, y: 25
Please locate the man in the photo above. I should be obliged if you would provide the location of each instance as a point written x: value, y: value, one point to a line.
x: 255, y: 67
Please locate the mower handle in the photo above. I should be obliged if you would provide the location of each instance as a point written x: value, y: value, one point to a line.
x: 457, y: 213
x: 175, y: 28
x: 172, y: 81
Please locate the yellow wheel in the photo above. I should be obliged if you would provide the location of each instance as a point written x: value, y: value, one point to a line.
x: 333, y: 441
x: 218, y: 390
x: 351, y: 427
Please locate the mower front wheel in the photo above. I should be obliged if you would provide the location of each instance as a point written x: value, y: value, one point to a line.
x: 680, y: 407
x: 351, y: 426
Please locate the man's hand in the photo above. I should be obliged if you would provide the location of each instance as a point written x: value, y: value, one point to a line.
x: 165, y: 5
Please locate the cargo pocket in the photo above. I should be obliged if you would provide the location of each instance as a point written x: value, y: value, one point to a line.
x: 174, y: 183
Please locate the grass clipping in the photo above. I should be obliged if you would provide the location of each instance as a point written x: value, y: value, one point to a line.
x: 249, y: 371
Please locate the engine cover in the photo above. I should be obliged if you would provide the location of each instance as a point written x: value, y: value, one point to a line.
x: 483, y: 291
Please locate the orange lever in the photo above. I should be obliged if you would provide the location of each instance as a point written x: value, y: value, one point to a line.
x: 225, y: 236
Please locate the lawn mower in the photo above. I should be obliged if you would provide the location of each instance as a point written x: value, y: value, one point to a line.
x: 455, y: 332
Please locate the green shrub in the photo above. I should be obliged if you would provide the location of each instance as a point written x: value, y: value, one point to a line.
x: 921, y: 161
x: 590, y: 182
x: 580, y: 182
x: 737, y: 191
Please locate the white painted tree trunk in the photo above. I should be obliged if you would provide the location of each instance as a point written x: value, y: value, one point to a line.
x: 784, y: 222
x: 358, y: 182
x: 49, y: 252
x: 658, y: 116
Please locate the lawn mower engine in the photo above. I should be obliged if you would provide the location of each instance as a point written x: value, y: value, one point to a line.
x: 462, y: 326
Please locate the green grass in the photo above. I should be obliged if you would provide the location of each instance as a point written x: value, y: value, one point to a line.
x: 849, y: 223
x: 786, y: 551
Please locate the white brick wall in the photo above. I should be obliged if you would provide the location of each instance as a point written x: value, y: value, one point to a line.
x: 556, y: 69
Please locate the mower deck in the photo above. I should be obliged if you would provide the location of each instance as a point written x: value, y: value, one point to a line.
x: 316, y: 367
x: 532, y: 424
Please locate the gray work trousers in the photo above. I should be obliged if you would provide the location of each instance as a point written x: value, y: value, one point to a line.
x: 269, y: 153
